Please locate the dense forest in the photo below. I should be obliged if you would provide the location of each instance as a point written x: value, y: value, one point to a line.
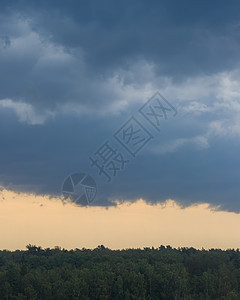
x: 101, y: 273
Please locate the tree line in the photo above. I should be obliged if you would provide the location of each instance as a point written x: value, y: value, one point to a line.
x: 101, y: 273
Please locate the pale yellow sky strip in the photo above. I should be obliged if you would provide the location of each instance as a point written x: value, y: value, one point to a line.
x: 26, y: 218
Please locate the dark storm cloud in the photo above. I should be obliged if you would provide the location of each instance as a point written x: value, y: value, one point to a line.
x: 179, y: 37
x: 71, y: 71
x: 38, y: 158
x: 68, y: 50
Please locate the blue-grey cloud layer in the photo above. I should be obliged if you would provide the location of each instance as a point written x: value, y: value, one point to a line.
x: 72, y: 72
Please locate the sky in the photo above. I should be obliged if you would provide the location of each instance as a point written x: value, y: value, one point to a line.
x: 120, y: 105
x: 40, y: 221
